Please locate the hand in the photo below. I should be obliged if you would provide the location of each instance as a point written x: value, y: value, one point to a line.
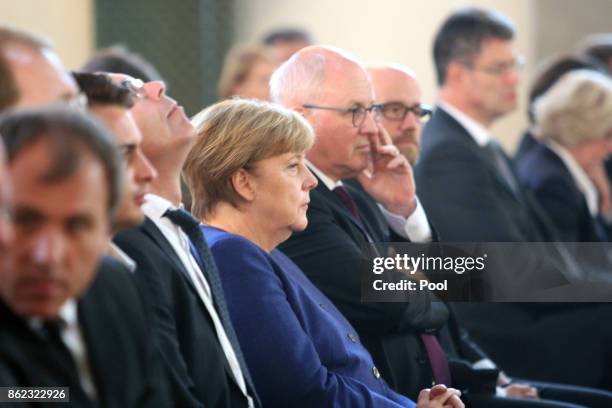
x: 522, y: 391
x: 503, y: 379
x: 439, y: 397
x: 390, y: 182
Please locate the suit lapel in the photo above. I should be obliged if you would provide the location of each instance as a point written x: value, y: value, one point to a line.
x: 337, y: 205
x: 481, y: 152
x: 150, y: 229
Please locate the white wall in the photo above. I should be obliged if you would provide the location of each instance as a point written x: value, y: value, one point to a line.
x: 386, y: 30
x: 67, y: 23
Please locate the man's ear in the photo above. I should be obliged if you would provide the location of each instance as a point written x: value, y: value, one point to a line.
x: 243, y: 184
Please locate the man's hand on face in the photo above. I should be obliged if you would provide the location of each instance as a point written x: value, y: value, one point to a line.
x: 390, y: 181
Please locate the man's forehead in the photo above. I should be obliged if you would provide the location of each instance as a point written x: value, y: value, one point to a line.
x: 120, y: 122
x: 348, y: 82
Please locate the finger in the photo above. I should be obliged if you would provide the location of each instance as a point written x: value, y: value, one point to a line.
x: 388, y: 150
x: 384, y: 136
x: 397, y: 163
x: 455, y: 402
x: 423, y: 396
x: 437, y: 389
x: 446, y: 396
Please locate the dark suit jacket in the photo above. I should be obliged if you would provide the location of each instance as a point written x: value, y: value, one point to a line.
x: 182, y: 326
x: 468, y: 200
x: 124, y: 365
x: 542, y: 171
x: 301, y: 351
x: 333, y: 251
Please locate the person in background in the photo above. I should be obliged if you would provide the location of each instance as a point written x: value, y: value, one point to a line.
x: 287, y: 41
x: 250, y: 184
x: 181, y: 288
x: 119, y: 59
x: 573, y: 122
x: 31, y: 73
x: 246, y: 73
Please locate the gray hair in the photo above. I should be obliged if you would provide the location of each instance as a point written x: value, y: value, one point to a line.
x: 577, y: 108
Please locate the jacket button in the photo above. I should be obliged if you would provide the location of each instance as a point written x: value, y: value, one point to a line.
x: 352, y: 337
x: 375, y: 372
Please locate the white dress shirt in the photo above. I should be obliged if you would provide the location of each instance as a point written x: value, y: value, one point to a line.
x: 582, y: 180
x: 154, y: 208
x: 479, y: 133
x: 415, y: 227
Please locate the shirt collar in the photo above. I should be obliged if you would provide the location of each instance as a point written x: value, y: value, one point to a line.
x: 67, y: 314
x: 117, y: 253
x: 582, y: 180
x: 156, y: 206
x: 329, y: 183
x: 479, y: 133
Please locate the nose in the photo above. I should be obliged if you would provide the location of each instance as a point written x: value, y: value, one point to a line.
x: 49, y: 248
x: 155, y: 89
x: 145, y: 172
x: 310, y: 181
x: 369, y: 125
x: 512, y: 76
x: 410, y: 121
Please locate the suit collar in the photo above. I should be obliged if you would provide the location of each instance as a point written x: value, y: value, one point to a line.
x: 480, y: 151
x: 477, y: 131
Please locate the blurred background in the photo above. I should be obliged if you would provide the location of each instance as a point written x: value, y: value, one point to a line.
x: 187, y: 40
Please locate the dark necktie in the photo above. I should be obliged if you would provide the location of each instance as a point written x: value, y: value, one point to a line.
x: 348, y: 202
x: 503, y: 167
x: 191, y: 227
x: 437, y: 359
x: 52, y: 330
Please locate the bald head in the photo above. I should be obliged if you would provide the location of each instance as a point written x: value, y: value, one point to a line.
x: 303, y: 78
x: 396, y: 87
x: 328, y: 86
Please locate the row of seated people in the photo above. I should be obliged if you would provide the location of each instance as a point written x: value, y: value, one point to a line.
x: 229, y: 319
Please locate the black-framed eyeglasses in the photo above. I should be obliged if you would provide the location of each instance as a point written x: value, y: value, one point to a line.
x: 358, y: 112
x: 397, y: 111
x: 499, y: 69
x: 136, y: 87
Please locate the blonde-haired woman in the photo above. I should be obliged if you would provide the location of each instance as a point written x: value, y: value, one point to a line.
x: 573, y: 120
x: 250, y: 186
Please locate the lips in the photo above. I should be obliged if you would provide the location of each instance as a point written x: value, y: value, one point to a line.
x: 175, y: 106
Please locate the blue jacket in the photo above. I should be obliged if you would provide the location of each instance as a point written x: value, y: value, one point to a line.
x: 299, y: 348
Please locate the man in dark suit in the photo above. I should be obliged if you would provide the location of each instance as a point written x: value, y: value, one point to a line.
x: 188, y: 310
x: 334, y: 250
x: 63, y: 323
x: 471, y: 194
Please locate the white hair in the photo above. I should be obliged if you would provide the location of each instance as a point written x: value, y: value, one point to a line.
x: 577, y: 108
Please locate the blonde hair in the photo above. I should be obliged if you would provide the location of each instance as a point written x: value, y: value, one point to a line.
x: 235, y: 134
x: 577, y: 108
x: 238, y: 64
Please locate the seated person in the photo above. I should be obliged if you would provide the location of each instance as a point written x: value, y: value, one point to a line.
x: 573, y: 120
x: 250, y: 186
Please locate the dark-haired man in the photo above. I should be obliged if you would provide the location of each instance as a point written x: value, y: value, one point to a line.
x: 67, y: 323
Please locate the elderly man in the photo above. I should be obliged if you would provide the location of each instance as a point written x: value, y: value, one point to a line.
x: 59, y: 328
x: 332, y: 90
x: 471, y: 193
x: 176, y: 272
x: 31, y: 73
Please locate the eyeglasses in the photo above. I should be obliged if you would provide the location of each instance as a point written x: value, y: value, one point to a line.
x: 136, y: 87
x: 397, y: 111
x: 358, y: 112
x: 499, y: 69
